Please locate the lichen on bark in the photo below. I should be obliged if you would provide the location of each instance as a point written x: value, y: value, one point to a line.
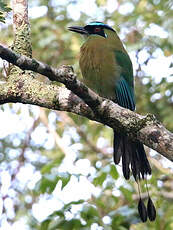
x: 21, y: 28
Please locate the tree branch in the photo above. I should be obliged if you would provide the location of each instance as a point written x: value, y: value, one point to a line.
x: 144, y: 128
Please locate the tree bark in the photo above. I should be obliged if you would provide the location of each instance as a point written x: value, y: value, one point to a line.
x: 21, y: 28
x: 87, y: 103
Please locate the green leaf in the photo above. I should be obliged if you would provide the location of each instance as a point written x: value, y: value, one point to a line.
x: 100, y: 179
x: 47, y: 168
x: 90, y: 214
x: 122, y: 228
x: 113, y: 172
x: 65, y: 180
x: 3, y: 9
x: 67, y: 206
x: 171, y: 65
x: 45, y: 224
x: 73, y: 224
x: 127, y: 193
x: 57, y: 213
x: 47, y: 183
x: 117, y: 221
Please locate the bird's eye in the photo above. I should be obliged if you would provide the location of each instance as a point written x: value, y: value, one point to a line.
x: 97, y: 29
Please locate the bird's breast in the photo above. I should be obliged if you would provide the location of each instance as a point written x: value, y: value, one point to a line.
x: 99, y: 68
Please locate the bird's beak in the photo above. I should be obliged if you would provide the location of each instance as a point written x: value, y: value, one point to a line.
x: 78, y: 29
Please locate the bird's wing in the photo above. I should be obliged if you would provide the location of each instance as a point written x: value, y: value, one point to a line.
x: 124, y: 88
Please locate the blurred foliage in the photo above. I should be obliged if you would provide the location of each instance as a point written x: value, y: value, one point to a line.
x: 37, y: 167
x: 3, y: 9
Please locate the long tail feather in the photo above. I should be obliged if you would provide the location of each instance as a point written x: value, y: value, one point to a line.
x: 117, y: 146
x: 133, y: 156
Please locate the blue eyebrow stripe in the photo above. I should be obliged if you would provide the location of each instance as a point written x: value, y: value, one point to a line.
x: 96, y: 24
x: 100, y: 24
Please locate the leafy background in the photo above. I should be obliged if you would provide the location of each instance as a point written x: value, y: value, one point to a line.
x: 56, y: 169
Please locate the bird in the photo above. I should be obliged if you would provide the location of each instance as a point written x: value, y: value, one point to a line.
x: 107, y: 69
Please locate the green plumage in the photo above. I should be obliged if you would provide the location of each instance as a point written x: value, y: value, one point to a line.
x: 127, y: 70
x: 124, y: 87
x: 107, y: 69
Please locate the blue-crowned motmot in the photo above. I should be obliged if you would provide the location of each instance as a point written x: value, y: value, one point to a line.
x: 107, y: 69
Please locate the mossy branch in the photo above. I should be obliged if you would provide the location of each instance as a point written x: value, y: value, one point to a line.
x: 80, y: 100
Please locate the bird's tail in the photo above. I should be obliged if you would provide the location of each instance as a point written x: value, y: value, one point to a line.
x: 133, y: 157
x: 134, y: 160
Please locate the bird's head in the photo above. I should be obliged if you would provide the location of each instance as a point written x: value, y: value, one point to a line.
x: 93, y: 28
